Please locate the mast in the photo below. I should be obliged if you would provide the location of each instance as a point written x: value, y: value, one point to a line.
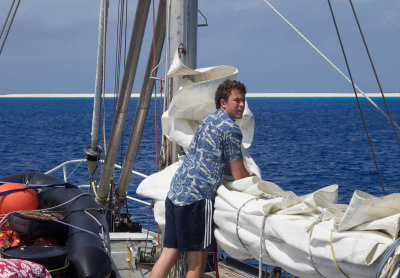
x: 99, y: 76
x: 142, y: 108
x: 181, y: 34
x: 93, y: 151
x: 142, y: 11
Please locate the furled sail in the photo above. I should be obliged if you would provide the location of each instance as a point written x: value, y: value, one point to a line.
x: 309, y: 236
x: 194, y: 100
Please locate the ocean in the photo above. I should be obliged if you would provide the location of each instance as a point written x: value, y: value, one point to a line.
x: 301, y: 144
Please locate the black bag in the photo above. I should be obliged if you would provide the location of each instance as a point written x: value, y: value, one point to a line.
x: 35, y: 223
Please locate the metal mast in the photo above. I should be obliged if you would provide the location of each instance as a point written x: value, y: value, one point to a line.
x: 182, y: 35
x: 142, y: 11
x: 93, y: 151
x: 142, y: 108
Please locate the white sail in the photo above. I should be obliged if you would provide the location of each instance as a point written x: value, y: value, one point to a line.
x: 194, y: 100
x: 309, y: 236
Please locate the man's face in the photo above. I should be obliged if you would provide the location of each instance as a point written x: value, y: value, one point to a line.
x: 235, y: 104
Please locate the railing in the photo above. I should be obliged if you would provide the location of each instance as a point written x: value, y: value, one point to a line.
x: 79, y: 161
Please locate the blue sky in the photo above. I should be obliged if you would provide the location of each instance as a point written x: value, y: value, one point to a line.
x: 52, y: 46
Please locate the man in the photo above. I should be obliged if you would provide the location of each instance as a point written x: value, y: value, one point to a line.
x: 215, y: 148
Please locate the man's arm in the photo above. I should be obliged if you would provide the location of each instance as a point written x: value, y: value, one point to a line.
x: 238, y: 171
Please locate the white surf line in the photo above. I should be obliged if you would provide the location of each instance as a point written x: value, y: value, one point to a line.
x: 248, y: 95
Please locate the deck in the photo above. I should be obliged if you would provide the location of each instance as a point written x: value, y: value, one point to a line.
x: 231, y: 271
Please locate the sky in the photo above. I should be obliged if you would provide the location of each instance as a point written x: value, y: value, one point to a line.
x: 52, y: 45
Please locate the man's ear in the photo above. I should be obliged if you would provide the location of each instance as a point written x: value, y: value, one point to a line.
x: 222, y: 104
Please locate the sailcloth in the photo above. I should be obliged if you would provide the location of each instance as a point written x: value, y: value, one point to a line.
x: 310, y: 235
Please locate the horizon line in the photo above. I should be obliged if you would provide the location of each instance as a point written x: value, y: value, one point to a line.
x: 249, y: 95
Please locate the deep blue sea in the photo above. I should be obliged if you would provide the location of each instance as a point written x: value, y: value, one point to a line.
x: 301, y: 144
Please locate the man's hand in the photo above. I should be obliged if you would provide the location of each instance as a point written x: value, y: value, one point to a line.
x: 238, y: 170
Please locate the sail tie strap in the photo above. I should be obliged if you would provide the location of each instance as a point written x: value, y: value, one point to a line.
x: 261, y: 196
x: 262, y: 243
x: 311, y: 229
x: 333, y: 255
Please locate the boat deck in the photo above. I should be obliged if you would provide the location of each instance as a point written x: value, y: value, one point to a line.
x: 125, y: 246
x: 230, y: 271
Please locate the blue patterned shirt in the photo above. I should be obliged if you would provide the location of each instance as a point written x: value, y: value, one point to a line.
x: 217, y: 142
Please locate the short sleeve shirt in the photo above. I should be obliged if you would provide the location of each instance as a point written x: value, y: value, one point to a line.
x: 217, y: 142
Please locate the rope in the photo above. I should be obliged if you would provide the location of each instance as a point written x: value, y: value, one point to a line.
x: 376, y: 75
x: 155, y: 87
x: 389, y: 252
x: 94, y: 190
x: 104, y: 74
x: 333, y: 255
x: 9, y: 26
x: 358, y: 101
x: 329, y: 61
x: 261, y: 196
x: 262, y: 243
x: 148, y: 224
x: 58, y: 269
x: 122, y: 22
x: 66, y: 202
x: 76, y: 167
x: 237, y: 221
x: 6, y: 20
x: 28, y: 187
x: 102, y: 235
x: 311, y: 229
x: 81, y: 229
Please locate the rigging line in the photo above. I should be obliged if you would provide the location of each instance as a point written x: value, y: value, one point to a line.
x: 120, y: 28
x: 70, y: 174
x: 124, y: 24
x: 148, y: 224
x: 104, y: 73
x: 118, y: 50
x: 329, y: 61
x: 375, y: 73
x: 6, y: 20
x: 9, y: 26
x: 155, y: 86
x: 358, y: 101
x: 125, y: 31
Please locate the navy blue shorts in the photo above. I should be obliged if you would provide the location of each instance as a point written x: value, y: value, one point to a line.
x: 190, y: 228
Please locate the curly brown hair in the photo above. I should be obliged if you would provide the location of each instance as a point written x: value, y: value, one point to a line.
x: 225, y: 88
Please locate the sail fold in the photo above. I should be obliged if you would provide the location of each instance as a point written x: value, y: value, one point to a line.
x: 310, y: 235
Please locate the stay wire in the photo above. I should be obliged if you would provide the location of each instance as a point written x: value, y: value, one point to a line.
x: 104, y: 73
x: 10, y: 24
x: 355, y: 93
x: 116, y: 73
x: 121, y: 22
x: 6, y: 20
x: 155, y: 87
x: 328, y: 61
x: 375, y: 73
